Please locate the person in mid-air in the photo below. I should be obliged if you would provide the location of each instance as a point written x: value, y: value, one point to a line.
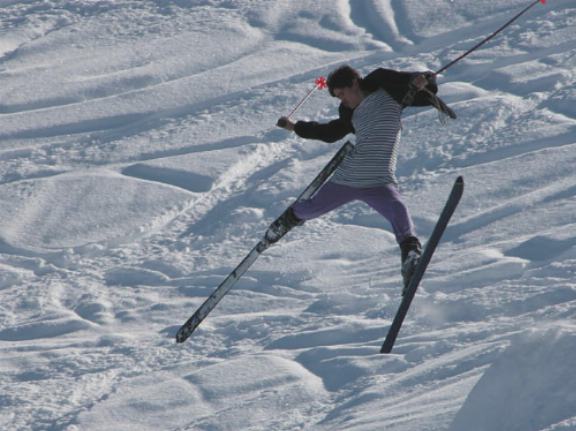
x: 371, y: 108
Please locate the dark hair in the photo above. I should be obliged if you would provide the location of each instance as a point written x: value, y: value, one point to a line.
x: 342, y: 77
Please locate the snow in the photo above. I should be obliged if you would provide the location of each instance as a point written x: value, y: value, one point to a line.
x: 530, y: 376
x: 139, y: 163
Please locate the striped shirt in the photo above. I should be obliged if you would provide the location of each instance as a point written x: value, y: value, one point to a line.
x: 372, y: 163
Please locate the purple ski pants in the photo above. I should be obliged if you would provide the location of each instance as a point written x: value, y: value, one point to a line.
x: 385, y: 200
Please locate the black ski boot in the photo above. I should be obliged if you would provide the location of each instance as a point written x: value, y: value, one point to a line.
x: 411, y: 251
x: 282, y: 225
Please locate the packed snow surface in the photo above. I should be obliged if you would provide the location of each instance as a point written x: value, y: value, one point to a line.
x: 139, y: 163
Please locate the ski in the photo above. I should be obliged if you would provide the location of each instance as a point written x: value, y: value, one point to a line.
x: 410, y: 290
x: 192, y: 323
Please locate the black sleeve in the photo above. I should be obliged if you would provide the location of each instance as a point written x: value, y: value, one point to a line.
x: 328, y: 132
x: 397, y: 85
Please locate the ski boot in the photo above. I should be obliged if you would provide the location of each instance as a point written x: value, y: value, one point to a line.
x: 411, y: 251
x: 282, y: 225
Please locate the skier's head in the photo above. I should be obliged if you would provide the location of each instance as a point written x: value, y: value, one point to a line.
x: 342, y: 77
x: 344, y: 83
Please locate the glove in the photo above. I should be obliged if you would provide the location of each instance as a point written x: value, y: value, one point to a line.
x: 285, y: 123
x: 418, y: 82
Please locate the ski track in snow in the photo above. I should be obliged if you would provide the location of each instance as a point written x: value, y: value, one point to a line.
x: 139, y: 163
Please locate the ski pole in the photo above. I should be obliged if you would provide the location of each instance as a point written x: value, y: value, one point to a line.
x: 478, y: 45
x: 320, y: 83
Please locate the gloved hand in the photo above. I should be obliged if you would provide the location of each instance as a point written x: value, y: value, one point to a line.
x: 419, y: 82
x: 285, y: 123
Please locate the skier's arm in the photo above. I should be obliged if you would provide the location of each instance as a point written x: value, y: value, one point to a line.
x: 328, y: 132
x: 397, y: 84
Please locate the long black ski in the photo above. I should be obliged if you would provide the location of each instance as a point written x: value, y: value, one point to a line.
x: 192, y: 323
x: 410, y: 290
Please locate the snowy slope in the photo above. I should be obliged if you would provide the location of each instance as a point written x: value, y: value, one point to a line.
x: 139, y: 162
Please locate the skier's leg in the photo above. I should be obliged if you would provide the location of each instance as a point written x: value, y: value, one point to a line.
x: 386, y: 200
x: 328, y: 198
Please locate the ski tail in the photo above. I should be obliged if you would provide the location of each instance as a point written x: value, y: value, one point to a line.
x: 202, y: 312
x: 410, y: 292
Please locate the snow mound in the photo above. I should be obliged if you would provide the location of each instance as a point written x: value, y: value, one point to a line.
x: 234, y: 394
x: 44, y: 214
x: 529, y: 388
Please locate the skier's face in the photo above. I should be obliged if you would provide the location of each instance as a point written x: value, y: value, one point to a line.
x: 349, y: 96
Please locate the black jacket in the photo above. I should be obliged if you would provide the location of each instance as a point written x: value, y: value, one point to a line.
x: 395, y: 83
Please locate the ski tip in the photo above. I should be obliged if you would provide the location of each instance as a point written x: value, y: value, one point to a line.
x: 180, y: 337
x: 459, y: 184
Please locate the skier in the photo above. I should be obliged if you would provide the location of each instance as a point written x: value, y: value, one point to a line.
x: 370, y: 108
